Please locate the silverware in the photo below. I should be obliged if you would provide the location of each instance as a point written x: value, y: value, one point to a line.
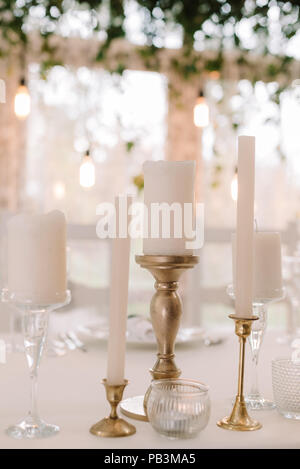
x: 68, y: 342
x: 56, y: 348
x: 208, y: 341
x: 73, y: 337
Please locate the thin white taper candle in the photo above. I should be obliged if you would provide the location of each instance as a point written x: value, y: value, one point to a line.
x: 118, y: 302
x: 245, y: 226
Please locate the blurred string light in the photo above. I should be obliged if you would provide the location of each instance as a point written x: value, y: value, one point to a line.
x: 201, y: 111
x: 87, y: 171
x: 59, y: 190
x: 234, y: 186
x: 22, y: 100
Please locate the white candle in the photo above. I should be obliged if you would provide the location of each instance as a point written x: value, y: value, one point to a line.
x: 267, y: 265
x: 36, y: 257
x: 168, y: 182
x: 267, y: 269
x: 245, y: 227
x: 118, y: 304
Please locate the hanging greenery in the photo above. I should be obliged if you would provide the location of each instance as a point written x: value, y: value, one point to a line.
x: 264, y: 26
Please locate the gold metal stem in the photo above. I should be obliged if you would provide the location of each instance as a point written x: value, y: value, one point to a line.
x: 165, y: 311
x: 239, y: 419
x: 241, y: 366
x: 113, y: 426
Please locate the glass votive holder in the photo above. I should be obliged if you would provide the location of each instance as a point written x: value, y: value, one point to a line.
x: 286, y: 387
x: 178, y: 408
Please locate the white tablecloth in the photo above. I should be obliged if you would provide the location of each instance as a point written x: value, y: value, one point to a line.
x: 71, y: 395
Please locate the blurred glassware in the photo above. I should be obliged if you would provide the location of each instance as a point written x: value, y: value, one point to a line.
x: 254, y: 400
x: 291, y: 278
x: 10, y: 318
x: 55, y: 347
x: 178, y: 408
x: 140, y: 333
x: 286, y: 387
x: 15, y: 342
x: 34, y: 327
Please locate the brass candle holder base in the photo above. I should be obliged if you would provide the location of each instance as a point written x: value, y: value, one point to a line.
x: 113, y: 426
x: 239, y: 419
x: 166, y: 311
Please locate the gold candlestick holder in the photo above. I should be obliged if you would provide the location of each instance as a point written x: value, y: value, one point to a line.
x: 113, y: 426
x: 166, y: 311
x: 239, y: 419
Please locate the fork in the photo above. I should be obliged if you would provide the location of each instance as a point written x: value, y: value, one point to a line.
x: 72, y: 338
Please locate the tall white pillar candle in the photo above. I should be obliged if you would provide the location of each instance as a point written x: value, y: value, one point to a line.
x: 36, y: 257
x: 267, y: 270
x: 267, y: 265
x: 118, y: 302
x: 245, y: 227
x: 168, y: 182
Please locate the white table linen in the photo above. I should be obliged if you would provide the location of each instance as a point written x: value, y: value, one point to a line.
x: 72, y: 396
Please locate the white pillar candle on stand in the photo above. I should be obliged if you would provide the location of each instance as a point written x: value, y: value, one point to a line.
x: 168, y: 182
x: 267, y: 265
x: 245, y: 227
x: 267, y: 269
x: 118, y: 303
x: 36, y: 257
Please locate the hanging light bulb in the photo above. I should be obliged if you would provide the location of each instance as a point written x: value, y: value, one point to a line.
x: 234, y: 186
x: 22, y: 101
x: 201, y: 111
x: 87, y: 171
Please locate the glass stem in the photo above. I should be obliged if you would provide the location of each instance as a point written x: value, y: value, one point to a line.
x: 35, y: 327
x: 254, y: 392
x: 255, y: 340
x: 12, y: 330
x: 33, y: 396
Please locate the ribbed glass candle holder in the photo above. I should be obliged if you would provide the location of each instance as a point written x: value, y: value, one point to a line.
x: 178, y: 408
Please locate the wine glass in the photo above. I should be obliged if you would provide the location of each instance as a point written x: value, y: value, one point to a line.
x: 34, y: 325
x: 291, y: 277
x: 254, y: 399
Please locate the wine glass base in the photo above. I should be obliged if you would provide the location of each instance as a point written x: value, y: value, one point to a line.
x: 32, y: 429
x: 259, y: 404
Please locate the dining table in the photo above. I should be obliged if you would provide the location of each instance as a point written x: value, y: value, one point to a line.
x: 72, y: 396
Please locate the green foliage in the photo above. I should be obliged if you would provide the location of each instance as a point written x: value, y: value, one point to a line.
x: 129, y: 146
x: 213, y: 25
x: 206, y: 22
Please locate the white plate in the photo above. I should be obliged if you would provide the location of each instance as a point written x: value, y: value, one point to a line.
x: 98, y: 332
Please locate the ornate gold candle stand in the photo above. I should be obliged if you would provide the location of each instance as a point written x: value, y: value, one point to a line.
x: 239, y: 419
x: 113, y: 426
x: 165, y: 310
